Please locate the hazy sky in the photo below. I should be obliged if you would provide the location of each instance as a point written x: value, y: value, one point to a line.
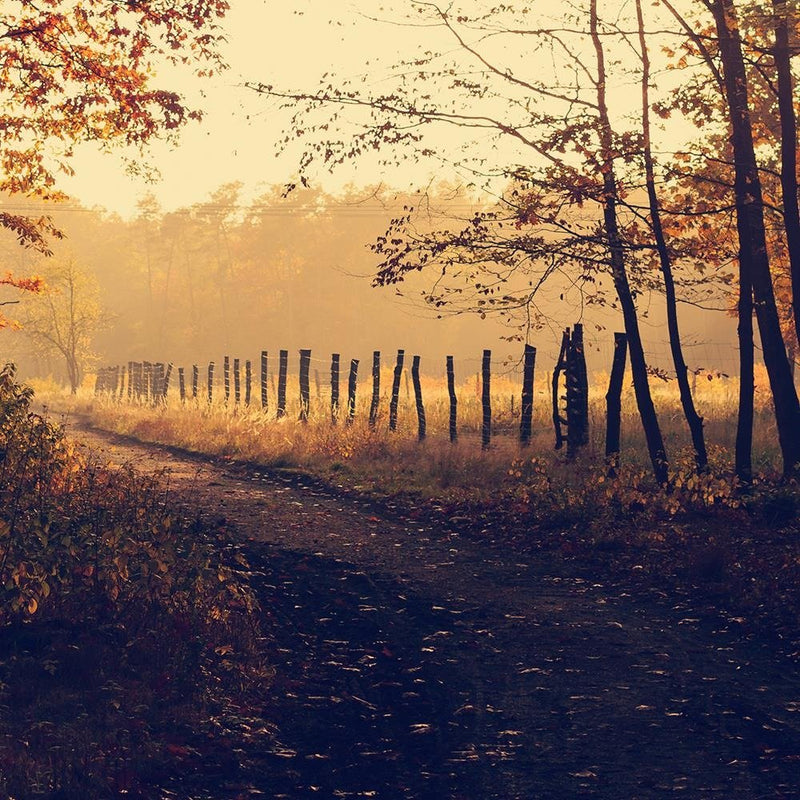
x: 286, y: 42
x: 289, y: 44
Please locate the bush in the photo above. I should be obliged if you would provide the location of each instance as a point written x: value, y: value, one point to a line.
x: 107, y: 597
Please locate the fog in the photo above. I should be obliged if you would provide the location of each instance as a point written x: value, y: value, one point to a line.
x: 233, y: 277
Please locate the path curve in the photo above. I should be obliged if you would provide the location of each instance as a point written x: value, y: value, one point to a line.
x: 418, y: 663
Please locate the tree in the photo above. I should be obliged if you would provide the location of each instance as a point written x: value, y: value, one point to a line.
x: 63, y: 318
x: 693, y: 419
x: 73, y: 72
x: 561, y: 175
x: 538, y: 109
x: 728, y: 54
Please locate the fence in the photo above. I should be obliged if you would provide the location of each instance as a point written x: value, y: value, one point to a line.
x: 145, y: 382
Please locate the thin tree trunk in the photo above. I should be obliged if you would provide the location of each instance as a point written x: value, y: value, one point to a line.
x: 754, y: 268
x: 788, y: 119
x: 693, y: 419
x: 641, y: 385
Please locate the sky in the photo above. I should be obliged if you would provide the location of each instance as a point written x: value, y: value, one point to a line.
x: 285, y: 42
x: 289, y: 44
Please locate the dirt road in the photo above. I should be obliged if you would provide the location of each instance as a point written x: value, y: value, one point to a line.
x: 418, y: 663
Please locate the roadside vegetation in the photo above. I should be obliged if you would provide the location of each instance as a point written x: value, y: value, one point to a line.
x: 127, y: 627
x: 736, y: 544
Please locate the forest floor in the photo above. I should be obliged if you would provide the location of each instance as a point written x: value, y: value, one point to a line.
x: 414, y: 659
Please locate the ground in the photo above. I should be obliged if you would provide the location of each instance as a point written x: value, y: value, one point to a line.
x: 412, y: 660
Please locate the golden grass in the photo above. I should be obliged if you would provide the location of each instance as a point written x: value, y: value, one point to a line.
x: 379, y: 460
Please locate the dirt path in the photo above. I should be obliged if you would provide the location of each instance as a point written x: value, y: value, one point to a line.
x: 417, y: 663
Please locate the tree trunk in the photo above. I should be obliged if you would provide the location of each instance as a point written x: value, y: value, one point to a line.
x: 754, y: 268
x: 788, y: 118
x: 641, y: 384
x: 693, y: 419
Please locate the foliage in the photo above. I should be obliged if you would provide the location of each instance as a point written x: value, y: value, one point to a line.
x: 74, y: 530
x: 25, y: 285
x: 506, y: 98
x: 76, y: 72
x: 98, y: 550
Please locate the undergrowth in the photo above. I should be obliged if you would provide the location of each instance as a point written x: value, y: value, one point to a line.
x: 125, y: 627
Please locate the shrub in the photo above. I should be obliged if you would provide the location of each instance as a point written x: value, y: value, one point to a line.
x: 106, y: 596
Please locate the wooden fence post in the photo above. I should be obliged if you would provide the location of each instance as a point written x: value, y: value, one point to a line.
x: 526, y: 418
x: 283, y: 366
x: 165, y: 383
x: 451, y: 391
x: 237, y: 382
x: 210, y: 381
x: 376, y: 387
x: 130, y: 381
x: 418, y: 399
x: 248, y: 381
x: 398, y: 371
x: 182, y: 384
x: 137, y: 380
x: 195, y: 380
x: 486, y: 399
x: 264, y: 402
x: 226, y: 377
x: 614, y: 403
x: 577, y: 393
x: 561, y: 364
x: 122, y: 376
x: 305, y: 389
x: 334, y: 387
x: 149, y: 381
x: 351, y: 391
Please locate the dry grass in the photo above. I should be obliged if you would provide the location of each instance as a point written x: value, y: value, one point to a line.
x: 375, y: 459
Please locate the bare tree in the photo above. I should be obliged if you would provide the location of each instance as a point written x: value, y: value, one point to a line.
x: 63, y: 318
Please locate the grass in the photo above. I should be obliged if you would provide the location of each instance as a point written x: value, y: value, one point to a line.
x: 702, y: 529
x: 377, y: 460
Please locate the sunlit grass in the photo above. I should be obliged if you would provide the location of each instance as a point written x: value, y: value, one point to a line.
x: 375, y: 458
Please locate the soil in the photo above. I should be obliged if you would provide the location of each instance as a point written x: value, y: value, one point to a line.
x: 413, y: 661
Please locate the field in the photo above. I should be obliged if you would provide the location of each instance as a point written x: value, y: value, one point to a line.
x: 377, y: 459
x: 346, y: 524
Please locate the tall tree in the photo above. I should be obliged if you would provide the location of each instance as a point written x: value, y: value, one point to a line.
x: 644, y: 400
x: 782, y: 21
x: 693, y: 419
x: 754, y: 267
